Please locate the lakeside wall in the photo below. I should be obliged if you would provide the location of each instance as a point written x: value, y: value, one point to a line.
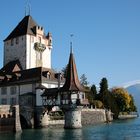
x: 93, y: 116
x: 9, y: 118
x: 88, y: 116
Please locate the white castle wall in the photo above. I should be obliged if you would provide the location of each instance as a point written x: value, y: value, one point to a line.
x: 31, y: 53
x: 25, y: 52
x: 15, y: 51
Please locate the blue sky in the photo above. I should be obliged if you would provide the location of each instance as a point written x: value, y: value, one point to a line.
x: 106, y: 40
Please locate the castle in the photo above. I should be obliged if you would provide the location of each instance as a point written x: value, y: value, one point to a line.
x: 27, y: 72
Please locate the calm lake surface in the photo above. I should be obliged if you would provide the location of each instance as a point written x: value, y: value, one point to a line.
x: 118, y: 130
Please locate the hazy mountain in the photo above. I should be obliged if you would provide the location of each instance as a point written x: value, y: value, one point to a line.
x: 135, y: 91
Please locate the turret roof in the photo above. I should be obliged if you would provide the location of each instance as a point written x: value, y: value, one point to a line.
x: 25, y: 26
x: 72, y: 82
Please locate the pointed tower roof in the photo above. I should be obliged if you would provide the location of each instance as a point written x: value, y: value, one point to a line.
x: 72, y: 82
x: 25, y: 26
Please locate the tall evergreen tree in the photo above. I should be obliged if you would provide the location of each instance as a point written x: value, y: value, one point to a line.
x: 93, y: 91
x: 64, y: 71
x: 104, y: 93
x: 83, y: 80
x: 103, y: 86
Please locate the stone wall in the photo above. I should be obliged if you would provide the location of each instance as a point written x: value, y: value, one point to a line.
x: 89, y: 116
x: 93, y: 116
x: 7, y: 124
x: 9, y: 118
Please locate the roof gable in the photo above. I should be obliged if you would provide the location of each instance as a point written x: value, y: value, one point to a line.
x: 25, y: 26
x: 12, y: 66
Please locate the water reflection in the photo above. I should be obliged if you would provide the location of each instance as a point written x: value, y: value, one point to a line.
x: 124, y: 130
x: 74, y: 134
x: 18, y: 136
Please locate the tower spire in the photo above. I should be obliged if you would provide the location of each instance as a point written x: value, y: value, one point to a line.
x: 71, y: 49
x: 27, y: 8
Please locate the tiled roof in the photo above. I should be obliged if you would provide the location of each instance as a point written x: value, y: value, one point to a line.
x: 12, y: 66
x: 25, y: 26
x: 72, y: 82
x: 10, y: 77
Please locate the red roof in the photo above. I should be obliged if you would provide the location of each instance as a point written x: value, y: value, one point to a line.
x: 72, y: 82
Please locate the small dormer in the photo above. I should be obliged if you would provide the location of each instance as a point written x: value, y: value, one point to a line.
x: 46, y: 74
x: 8, y: 77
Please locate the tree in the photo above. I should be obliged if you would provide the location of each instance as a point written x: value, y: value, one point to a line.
x: 98, y: 104
x: 64, y: 71
x: 83, y: 80
x: 93, y: 91
x: 133, y: 108
x: 104, y: 93
x: 103, y: 86
x: 122, y: 98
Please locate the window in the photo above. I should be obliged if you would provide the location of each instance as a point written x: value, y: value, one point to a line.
x: 83, y: 96
x: 3, y: 91
x: 3, y: 101
x: 50, y: 42
x: 39, y: 39
x: 17, y: 40
x: 12, y: 42
x: 13, y: 101
x: 13, y: 90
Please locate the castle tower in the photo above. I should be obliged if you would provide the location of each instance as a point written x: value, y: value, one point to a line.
x: 28, y: 44
x: 70, y: 101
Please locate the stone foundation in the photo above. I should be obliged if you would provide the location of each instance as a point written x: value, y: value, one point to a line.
x: 9, y: 118
x: 72, y: 117
x: 94, y: 116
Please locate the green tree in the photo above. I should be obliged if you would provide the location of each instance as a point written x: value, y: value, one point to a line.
x: 97, y: 104
x: 122, y: 99
x: 93, y: 91
x: 104, y: 92
x: 133, y: 108
x: 64, y: 71
x: 83, y: 80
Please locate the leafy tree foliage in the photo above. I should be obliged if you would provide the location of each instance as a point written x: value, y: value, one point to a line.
x: 124, y: 101
x: 117, y: 100
x: 97, y: 103
x: 64, y: 71
x: 83, y: 80
x: 93, y: 91
x: 132, y: 104
x: 104, y: 92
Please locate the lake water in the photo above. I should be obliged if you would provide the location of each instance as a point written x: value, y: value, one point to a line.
x: 117, y: 130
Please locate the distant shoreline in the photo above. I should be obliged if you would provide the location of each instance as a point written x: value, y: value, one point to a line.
x: 129, y: 116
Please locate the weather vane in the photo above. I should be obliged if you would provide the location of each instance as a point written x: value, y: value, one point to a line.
x: 27, y: 8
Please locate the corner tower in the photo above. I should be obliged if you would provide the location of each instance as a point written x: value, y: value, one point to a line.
x: 28, y: 44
